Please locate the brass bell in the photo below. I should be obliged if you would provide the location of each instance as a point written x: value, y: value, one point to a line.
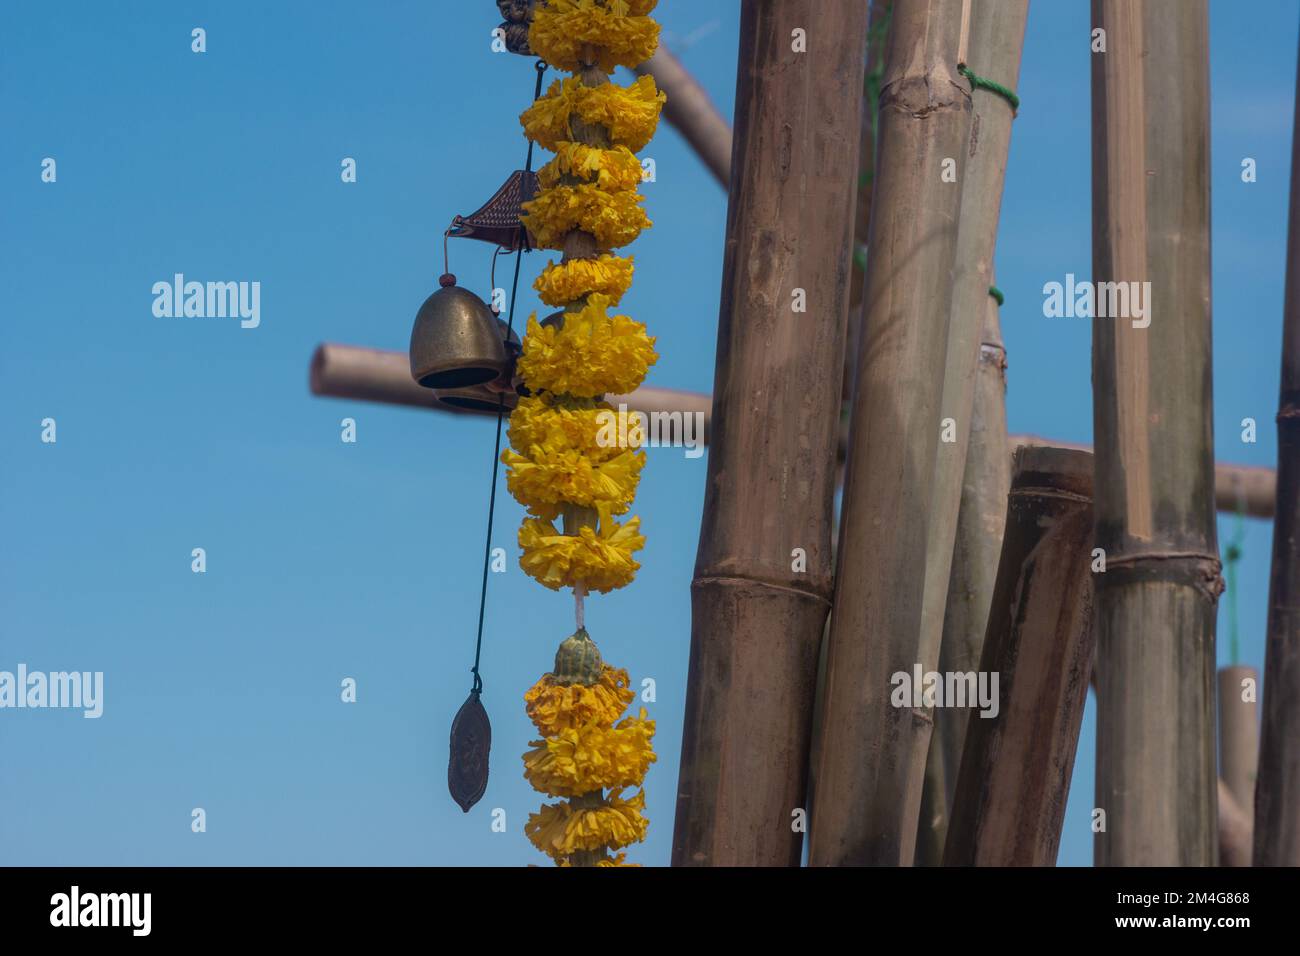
x: 485, y: 397
x: 476, y: 398
x: 457, y: 342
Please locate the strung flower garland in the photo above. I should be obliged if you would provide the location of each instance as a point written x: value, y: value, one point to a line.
x: 566, y: 463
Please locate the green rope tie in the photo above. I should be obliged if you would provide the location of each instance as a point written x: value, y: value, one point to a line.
x: 998, y: 297
x: 980, y: 83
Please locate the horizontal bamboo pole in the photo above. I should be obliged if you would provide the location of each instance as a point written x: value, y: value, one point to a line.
x: 692, y: 113
x: 384, y: 375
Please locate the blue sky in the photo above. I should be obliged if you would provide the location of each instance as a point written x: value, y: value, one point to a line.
x: 329, y: 560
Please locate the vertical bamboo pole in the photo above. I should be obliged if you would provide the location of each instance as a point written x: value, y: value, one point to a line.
x: 1277, y: 793
x: 932, y: 823
x: 997, y: 34
x: 1234, y: 829
x: 1238, y: 746
x: 1015, y: 771
x: 980, y: 527
x: 763, y: 571
x: 1153, y: 430
x: 877, y: 31
x: 976, y: 550
x: 871, y: 757
x: 1238, y: 733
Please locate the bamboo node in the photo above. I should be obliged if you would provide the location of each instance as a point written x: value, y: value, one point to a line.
x: 1191, y: 568
x: 919, y: 96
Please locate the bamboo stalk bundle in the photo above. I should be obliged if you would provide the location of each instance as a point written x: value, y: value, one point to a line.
x: 871, y: 758
x: 997, y: 33
x: 1152, y: 421
x: 1015, y: 770
x: 1277, y: 792
x: 758, y: 609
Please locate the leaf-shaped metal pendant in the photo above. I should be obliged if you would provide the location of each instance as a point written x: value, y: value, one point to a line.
x: 471, y: 739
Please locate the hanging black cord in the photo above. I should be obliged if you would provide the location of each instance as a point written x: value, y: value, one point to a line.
x: 477, y: 689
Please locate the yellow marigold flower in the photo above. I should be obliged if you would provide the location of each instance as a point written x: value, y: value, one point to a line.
x: 560, y: 29
x: 599, y: 559
x: 615, y: 219
x: 616, y: 860
x: 554, y: 708
x: 561, y: 829
x: 568, y: 455
x: 563, y: 282
x: 629, y: 113
x: 592, y: 757
x: 563, y: 422
x: 592, y: 354
x: 613, y: 170
x: 544, y: 482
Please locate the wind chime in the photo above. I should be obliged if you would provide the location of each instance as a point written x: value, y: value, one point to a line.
x: 584, y: 204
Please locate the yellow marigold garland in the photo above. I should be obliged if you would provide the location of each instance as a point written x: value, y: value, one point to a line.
x: 559, y: 424
x: 561, y: 459
x: 629, y: 113
x: 562, y: 27
x: 572, y: 455
x: 595, y: 559
x: 592, y: 353
x: 574, y: 762
x: 615, y: 219
x: 563, y: 282
x: 616, y: 860
x: 554, y: 707
x: 612, y: 170
x: 561, y: 829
